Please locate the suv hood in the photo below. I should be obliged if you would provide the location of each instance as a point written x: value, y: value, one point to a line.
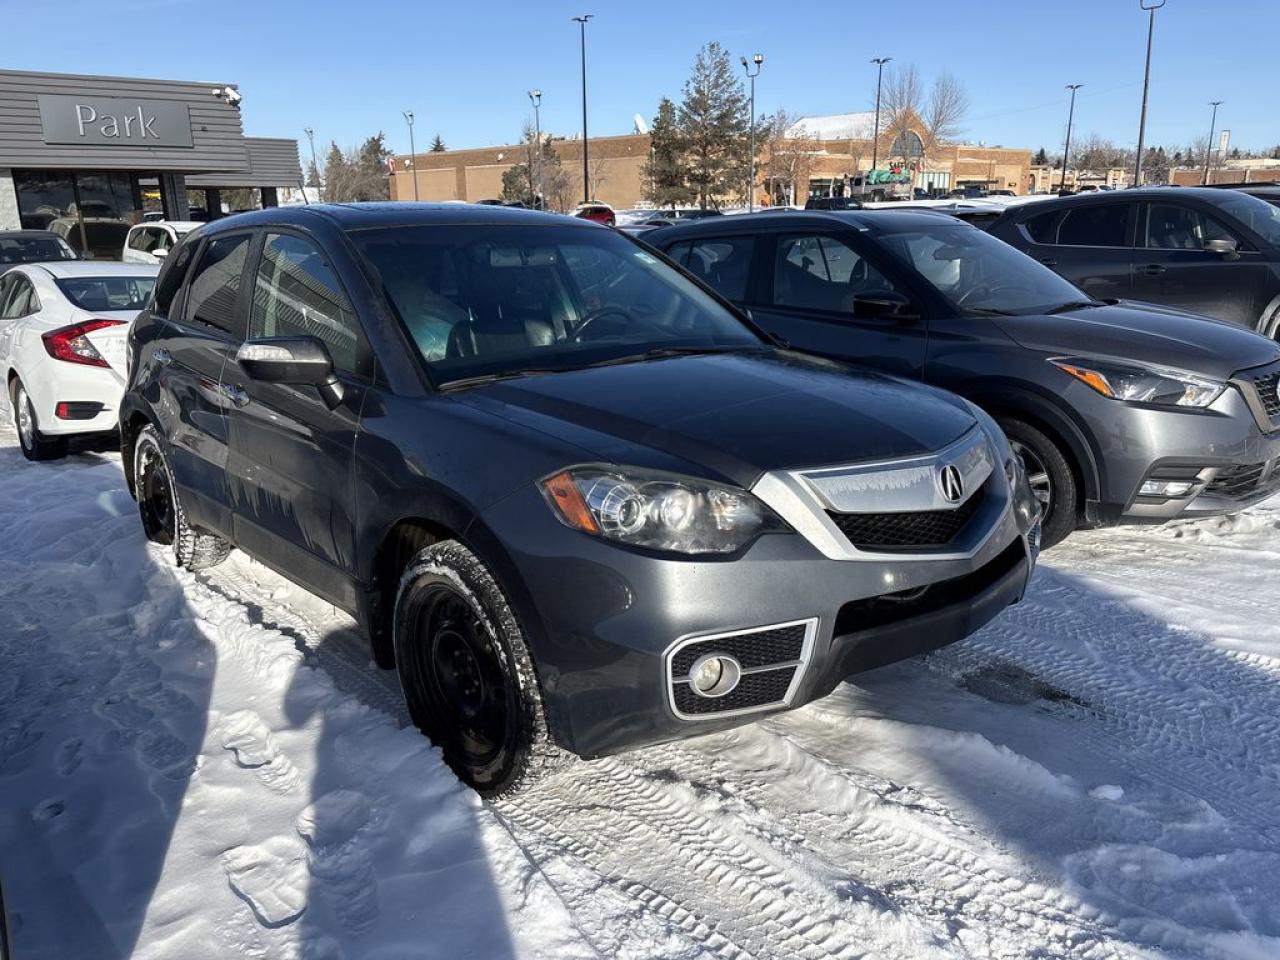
x: 1146, y: 333
x: 737, y: 415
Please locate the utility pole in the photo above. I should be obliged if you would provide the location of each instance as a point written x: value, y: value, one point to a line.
x: 581, y: 21
x: 535, y: 97
x: 758, y: 60
x: 311, y: 136
x: 1066, y: 151
x: 413, y: 154
x: 1151, y: 6
x: 1208, y: 150
x: 875, y: 135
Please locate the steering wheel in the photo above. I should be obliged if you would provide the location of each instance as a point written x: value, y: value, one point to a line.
x: 596, y: 314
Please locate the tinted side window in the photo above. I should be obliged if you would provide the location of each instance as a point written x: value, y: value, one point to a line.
x: 213, y: 298
x: 1101, y: 225
x: 138, y: 240
x: 296, y: 294
x: 723, y: 264
x: 1042, y: 228
x: 170, y: 279
x: 1174, y: 227
x: 19, y: 301
x: 821, y: 273
x: 679, y: 252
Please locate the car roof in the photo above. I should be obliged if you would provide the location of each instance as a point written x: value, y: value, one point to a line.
x: 67, y: 269
x: 388, y: 213
x: 775, y: 220
x: 184, y: 225
x: 28, y: 233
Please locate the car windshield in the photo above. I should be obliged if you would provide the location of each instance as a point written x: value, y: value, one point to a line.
x: 977, y: 272
x: 1259, y: 216
x: 107, y: 293
x: 34, y: 249
x: 498, y: 300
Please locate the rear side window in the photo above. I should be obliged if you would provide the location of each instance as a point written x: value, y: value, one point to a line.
x: 20, y: 300
x: 1100, y: 225
x: 170, y: 279
x: 723, y: 264
x: 1171, y: 226
x: 214, y: 294
x: 296, y: 294
x: 821, y: 273
x: 679, y: 252
x: 1043, y: 228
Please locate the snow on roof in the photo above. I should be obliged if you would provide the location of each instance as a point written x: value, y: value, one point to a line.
x: 836, y: 126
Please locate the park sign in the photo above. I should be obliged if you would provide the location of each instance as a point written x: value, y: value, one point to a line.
x: 115, y: 122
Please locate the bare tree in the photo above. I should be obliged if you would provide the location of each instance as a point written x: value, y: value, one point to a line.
x: 905, y: 109
x: 788, y: 157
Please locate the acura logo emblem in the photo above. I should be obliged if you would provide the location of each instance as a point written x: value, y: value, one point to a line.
x: 951, y: 483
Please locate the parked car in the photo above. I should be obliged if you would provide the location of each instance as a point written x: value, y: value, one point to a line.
x: 32, y: 246
x: 596, y: 213
x: 1268, y: 191
x: 577, y: 500
x: 1211, y: 252
x: 1122, y: 412
x: 151, y: 242
x: 833, y: 203
x: 62, y: 340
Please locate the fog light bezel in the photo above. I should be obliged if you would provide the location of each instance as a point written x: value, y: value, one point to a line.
x: 727, y: 681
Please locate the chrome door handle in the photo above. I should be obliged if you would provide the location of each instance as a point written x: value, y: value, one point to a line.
x: 162, y: 356
x: 235, y: 394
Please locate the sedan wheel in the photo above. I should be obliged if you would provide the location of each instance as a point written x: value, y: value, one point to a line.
x: 35, y: 446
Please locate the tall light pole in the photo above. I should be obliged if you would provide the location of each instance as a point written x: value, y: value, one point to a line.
x: 758, y: 60
x: 1151, y: 6
x: 413, y: 154
x: 535, y: 97
x: 1208, y: 150
x: 875, y: 135
x: 1066, y: 150
x: 315, y: 168
x: 586, y: 180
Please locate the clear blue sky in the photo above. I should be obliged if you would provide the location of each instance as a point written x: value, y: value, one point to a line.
x: 348, y: 68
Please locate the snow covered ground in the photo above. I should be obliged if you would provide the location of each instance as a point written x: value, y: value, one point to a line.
x: 207, y: 767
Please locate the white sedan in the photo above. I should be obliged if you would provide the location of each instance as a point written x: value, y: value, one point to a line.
x: 62, y: 346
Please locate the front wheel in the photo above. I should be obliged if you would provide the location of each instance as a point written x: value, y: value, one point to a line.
x: 35, y: 445
x: 466, y: 673
x: 163, y: 520
x: 1051, y: 478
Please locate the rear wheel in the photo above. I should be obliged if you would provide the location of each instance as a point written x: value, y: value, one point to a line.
x: 163, y: 520
x: 466, y: 673
x: 1050, y: 475
x: 35, y: 445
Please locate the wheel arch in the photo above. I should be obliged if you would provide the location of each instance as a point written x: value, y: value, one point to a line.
x: 133, y: 418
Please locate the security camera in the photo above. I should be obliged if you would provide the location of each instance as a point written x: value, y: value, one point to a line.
x: 230, y: 94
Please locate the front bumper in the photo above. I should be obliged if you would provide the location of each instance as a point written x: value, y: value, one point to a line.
x: 605, y: 622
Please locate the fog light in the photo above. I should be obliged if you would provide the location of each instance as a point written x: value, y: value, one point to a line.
x: 1166, y: 488
x: 714, y: 675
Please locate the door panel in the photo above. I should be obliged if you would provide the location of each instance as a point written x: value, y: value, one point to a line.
x: 1090, y: 245
x: 1174, y: 269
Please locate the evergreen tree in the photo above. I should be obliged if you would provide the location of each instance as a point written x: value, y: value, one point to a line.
x: 358, y: 174
x: 714, y: 125
x: 437, y: 145
x: 313, y: 175
x: 663, y: 172
x: 1041, y: 158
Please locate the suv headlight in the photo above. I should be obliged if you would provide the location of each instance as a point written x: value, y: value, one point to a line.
x: 661, y: 511
x: 1124, y: 380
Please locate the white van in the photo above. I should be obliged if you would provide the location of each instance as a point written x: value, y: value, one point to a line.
x: 151, y: 242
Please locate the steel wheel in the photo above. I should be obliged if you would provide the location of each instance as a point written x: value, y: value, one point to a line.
x: 1037, y: 475
x: 155, y: 495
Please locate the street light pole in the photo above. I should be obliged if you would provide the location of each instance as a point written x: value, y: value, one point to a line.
x: 875, y: 134
x: 1151, y: 6
x: 1066, y: 150
x: 315, y: 168
x: 535, y: 97
x: 413, y: 154
x: 586, y: 180
x: 758, y: 60
x: 1208, y: 150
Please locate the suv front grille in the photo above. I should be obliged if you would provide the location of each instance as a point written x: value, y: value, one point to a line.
x: 1246, y: 481
x: 902, y: 531
x: 1267, y: 388
x: 770, y: 659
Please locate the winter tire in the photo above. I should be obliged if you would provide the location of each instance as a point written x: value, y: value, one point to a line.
x: 163, y: 520
x: 35, y: 445
x: 466, y: 673
x: 1051, y: 478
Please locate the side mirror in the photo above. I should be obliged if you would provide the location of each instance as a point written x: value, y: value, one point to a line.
x: 299, y: 361
x: 883, y: 303
x: 1228, y: 248
x: 160, y: 252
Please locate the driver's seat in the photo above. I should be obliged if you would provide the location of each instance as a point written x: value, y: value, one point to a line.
x: 482, y: 338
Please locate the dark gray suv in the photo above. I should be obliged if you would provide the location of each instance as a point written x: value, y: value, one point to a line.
x: 578, y: 501
x: 1123, y: 412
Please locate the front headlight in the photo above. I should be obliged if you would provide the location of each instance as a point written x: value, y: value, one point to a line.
x: 1124, y: 380
x: 661, y: 511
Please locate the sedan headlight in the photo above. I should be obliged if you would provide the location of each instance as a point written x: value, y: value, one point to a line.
x: 1124, y: 380
x: 661, y: 511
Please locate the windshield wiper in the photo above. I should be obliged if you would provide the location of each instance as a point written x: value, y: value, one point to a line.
x: 1074, y: 305
x: 659, y: 353
x: 483, y: 378
x: 988, y: 312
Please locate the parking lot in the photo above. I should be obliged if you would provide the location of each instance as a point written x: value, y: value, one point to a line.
x: 206, y: 766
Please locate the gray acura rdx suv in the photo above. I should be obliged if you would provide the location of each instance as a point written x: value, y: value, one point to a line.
x: 578, y: 501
